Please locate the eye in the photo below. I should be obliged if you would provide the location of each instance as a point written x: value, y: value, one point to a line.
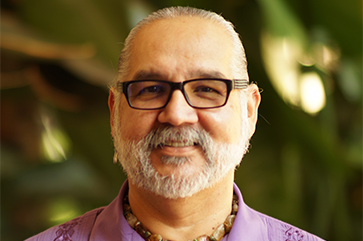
x: 205, y: 89
x: 147, y: 89
x: 154, y: 89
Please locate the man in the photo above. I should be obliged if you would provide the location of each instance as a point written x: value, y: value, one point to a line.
x: 182, y: 114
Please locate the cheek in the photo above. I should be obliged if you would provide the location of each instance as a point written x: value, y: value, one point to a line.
x: 136, y: 124
x: 224, y: 124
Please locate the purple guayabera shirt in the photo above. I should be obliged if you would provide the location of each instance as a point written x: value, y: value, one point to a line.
x: 109, y: 224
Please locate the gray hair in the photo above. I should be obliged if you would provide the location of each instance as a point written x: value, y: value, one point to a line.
x: 238, y: 62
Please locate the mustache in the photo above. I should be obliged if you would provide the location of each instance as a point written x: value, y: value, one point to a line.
x: 188, y: 135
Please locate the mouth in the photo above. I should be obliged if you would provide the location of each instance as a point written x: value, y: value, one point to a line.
x: 177, y: 144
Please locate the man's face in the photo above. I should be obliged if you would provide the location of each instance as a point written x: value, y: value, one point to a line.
x: 177, y: 50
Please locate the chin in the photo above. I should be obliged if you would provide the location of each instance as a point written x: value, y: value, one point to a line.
x: 178, y: 176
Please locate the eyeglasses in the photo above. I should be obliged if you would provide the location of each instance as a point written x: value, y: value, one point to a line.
x: 204, y: 93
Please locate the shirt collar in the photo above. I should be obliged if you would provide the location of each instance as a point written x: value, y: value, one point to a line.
x: 112, y: 225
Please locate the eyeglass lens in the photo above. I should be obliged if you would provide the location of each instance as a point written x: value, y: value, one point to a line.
x: 199, y: 93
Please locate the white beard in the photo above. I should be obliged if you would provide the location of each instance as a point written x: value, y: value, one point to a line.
x: 220, y: 158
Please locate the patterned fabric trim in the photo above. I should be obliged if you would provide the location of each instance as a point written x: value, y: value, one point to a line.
x: 294, y: 234
x: 66, y: 230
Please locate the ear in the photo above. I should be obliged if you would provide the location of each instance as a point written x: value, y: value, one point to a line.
x: 253, y: 102
x: 111, y: 105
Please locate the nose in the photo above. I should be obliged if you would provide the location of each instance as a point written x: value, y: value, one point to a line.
x: 178, y: 112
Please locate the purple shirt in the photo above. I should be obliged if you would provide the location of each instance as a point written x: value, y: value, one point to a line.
x: 108, y: 223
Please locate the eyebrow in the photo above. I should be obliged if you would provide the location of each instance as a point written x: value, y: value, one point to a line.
x: 144, y: 75
x: 208, y: 74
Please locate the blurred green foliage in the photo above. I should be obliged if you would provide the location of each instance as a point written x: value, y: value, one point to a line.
x: 56, y: 149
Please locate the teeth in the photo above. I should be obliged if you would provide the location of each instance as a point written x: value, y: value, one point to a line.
x: 178, y: 144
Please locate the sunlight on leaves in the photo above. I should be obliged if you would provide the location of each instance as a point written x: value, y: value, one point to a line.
x: 55, y: 143
x: 279, y: 55
x: 62, y: 210
x: 312, y: 93
x: 286, y: 51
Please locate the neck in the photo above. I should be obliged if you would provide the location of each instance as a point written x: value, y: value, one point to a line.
x: 183, y: 218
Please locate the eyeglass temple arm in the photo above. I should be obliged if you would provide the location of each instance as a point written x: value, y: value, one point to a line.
x: 120, y: 86
x: 239, y: 84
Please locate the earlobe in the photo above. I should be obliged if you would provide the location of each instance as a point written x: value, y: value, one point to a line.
x: 253, y: 102
x: 111, y: 106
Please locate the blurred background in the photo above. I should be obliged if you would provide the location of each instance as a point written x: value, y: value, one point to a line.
x: 305, y: 162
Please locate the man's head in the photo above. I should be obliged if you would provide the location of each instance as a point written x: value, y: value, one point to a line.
x: 179, y: 150
x: 238, y: 60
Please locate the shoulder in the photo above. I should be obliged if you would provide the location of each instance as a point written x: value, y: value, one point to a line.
x: 278, y: 230
x: 75, y: 229
x: 253, y: 225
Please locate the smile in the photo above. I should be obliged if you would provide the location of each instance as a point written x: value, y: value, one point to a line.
x: 178, y: 144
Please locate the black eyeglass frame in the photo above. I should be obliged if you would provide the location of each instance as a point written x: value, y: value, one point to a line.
x: 230, y: 83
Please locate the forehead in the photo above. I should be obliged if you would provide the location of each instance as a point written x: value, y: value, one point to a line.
x: 183, y: 46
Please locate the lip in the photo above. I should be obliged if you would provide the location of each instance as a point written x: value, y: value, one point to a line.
x: 178, y: 144
x: 177, y: 149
